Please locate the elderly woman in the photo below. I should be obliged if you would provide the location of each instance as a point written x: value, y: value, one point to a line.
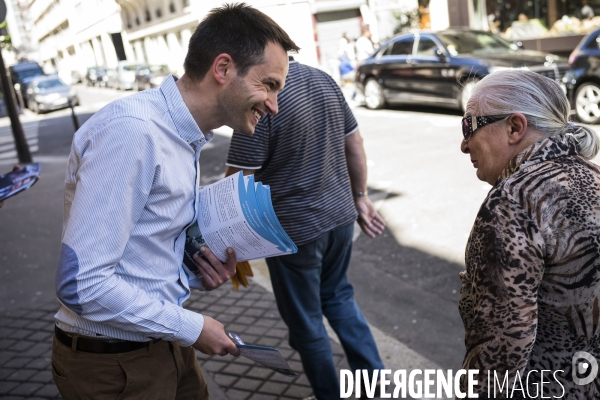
x: 530, y: 297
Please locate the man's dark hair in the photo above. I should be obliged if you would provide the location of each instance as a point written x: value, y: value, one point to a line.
x: 238, y: 30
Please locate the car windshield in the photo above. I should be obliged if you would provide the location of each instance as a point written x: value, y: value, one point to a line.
x: 28, y: 73
x: 474, y: 43
x: 159, y: 68
x: 50, y: 84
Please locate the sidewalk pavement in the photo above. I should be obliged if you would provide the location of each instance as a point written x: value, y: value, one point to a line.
x: 25, y: 349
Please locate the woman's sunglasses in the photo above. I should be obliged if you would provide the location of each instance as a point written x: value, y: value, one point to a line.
x: 471, y: 124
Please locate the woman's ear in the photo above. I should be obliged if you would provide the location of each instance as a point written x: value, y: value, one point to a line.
x: 517, y: 123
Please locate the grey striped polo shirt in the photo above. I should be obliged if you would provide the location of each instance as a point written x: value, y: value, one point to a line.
x: 300, y: 153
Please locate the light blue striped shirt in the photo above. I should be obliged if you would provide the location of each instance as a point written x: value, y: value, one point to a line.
x: 130, y: 194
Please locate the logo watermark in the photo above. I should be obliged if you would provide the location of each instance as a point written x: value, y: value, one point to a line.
x: 431, y: 383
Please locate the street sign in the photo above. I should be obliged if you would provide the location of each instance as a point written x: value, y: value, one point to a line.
x: 2, y: 11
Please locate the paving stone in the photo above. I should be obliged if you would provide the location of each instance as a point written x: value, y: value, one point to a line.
x: 7, y: 343
x: 225, y: 318
x: 36, y: 315
x: 42, y: 377
x: 277, y: 332
x: 20, y: 334
x: 22, y: 345
x: 227, y: 301
x: 235, y: 369
x: 49, y: 391
x: 263, y: 304
x: 215, y: 308
x: 245, y: 302
x: 270, y: 342
x: 25, y: 389
x: 41, y: 336
x: 266, y: 322
x: 262, y: 396
x: 259, y: 373
x: 298, y: 392
x: 39, y: 348
x: 213, y: 365
x: 17, y: 362
x: 225, y: 380
x: 302, y: 380
x: 255, y: 312
x: 283, y: 378
x: 6, y: 387
x: 257, y: 330
x: 246, y: 320
x: 40, y: 363
x: 236, y: 328
x: 271, y: 387
x: 235, y: 394
x: 21, y: 375
x: 40, y: 325
x: 248, y: 384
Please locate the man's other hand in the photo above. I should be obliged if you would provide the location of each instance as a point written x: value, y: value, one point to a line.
x: 369, y: 220
x: 214, y: 272
x: 214, y: 340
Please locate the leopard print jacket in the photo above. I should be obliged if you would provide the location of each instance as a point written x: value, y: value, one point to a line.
x: 530, y: 293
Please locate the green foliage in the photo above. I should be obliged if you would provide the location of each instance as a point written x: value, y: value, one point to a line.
x: 5, y: 40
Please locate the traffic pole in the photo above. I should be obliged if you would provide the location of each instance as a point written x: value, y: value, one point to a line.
x: 73, y: 116
x: 13, y: 114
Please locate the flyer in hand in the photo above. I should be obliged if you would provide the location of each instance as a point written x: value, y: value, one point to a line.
x: 17, y: 181
x: 263, y: 355
x: 237, y: 212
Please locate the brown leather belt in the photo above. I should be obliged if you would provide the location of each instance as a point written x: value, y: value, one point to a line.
x: 100, y: 346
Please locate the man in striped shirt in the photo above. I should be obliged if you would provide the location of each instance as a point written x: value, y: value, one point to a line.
x: 311, y: 154
x: 130, y: 195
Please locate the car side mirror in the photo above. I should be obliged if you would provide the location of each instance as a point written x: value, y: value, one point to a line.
x: 439, y: 54
x: 518, y: 44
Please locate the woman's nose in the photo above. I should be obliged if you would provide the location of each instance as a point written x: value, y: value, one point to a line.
x: 464, y: 146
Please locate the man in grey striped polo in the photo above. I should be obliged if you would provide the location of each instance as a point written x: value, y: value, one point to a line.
x: 312, y: 156
x: 130, y: 194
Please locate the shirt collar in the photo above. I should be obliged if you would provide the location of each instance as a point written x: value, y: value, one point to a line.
x: 543, y: 150
x: 186, y: 126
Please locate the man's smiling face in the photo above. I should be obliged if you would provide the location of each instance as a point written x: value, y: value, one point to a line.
x: 249, y: 98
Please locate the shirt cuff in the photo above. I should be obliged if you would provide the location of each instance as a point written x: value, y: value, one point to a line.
x: 191, y: 329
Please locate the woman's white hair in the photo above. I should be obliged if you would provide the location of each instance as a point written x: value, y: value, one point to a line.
x: 539, y: 98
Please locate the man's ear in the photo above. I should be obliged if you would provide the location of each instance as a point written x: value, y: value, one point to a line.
x: 517, y: 123
x: 222, y: 68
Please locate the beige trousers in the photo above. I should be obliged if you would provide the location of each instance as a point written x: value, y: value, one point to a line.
x: 163, y: 371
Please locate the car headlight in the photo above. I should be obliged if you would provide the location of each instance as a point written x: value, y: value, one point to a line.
x: 48, y: 97
x: 157, y: 80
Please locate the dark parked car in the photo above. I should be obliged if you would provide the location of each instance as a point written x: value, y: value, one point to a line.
x: 49, y: 93
x: 583, y: 79
x: 149, y: 77
x: 21, y: 74
x: 96, y: 76
x: 440, y: 68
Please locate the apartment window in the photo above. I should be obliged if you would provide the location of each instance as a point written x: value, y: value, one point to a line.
x: 158, y: 13
x: 186, y: 3
x: 172, y: 7
x: 148, y: 15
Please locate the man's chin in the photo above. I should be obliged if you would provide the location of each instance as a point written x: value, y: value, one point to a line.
x: 246, y: 130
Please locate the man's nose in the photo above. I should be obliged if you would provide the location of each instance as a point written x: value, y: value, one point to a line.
x: 271, y: 104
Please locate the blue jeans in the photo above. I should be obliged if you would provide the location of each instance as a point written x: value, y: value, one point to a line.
x: 313, y: 283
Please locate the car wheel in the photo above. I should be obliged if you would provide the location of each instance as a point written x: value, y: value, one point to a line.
x: 465, y: 94
x: 374, y: 98
x: 587, y: 99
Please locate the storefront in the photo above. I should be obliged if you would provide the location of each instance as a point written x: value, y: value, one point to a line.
x: 547, y: 25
